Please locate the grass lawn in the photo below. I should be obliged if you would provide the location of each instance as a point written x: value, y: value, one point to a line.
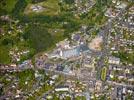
x: 8, y: 5
x: 103, y: 73
x: 80, y: 98
x: 39, y: 38
x: 124, y: 56
x: 4, y: 56
x: 44, y: 89
x: 23, y: 76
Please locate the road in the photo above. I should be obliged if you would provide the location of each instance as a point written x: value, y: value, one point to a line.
x: 105, y: 33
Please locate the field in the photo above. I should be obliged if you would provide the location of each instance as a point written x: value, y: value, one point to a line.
x: 103, y: 73
x: 8, y: 5
x: 4, y: 56
x: 80, y: 98
x: 50, y: 7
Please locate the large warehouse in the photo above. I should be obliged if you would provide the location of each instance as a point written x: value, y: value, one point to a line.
x: 74, y: 51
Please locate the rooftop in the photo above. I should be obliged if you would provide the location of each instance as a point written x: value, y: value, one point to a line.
x: 74, y: 52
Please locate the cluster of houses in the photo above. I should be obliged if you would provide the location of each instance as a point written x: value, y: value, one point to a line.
x: 38, y: 85
x: 76, y: 87
x: 118, y: 72
x: 69, y: 87
x: 114, y: 11
x: 127, y: 22
x: 11, y: 90
x: 114, y: 92
x: 79, y: 89
x: 26, y: 64
x: 16, y: 54
x: 60, y: 96
x: 121, y: 74
x: 121, y: 41
x: 121, y: 92
x: 83, y: 6
x: 118, y: 92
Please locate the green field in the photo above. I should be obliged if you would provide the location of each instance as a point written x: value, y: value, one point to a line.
x: 80, y: 98
x: 7, y: 5
x: 40, y: 39
x: 4, y: 55
x: 103, y: 73
x: 27, y: 75
x: 124, y: 56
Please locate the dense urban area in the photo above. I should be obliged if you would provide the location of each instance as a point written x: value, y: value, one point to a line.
x: 66, y: 49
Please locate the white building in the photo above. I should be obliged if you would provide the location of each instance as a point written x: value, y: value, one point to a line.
x: 62, y: 88
x: 114, y: 60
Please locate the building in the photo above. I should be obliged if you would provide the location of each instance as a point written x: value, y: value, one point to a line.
x: 112, y: 13
x: 74, y: 52
x: 98, y: 86
x: 69, y: 53
x: 62, y: 89
x: 114, y: 60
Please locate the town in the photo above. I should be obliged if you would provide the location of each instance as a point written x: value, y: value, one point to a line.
x: 67, y: 50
